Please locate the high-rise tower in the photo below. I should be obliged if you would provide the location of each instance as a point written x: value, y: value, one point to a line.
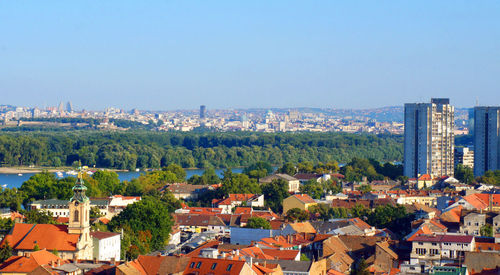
x: 486, y: 139
x: 429, y: 138
x: 203, y: 109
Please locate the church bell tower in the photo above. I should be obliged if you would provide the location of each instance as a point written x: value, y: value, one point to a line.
x: 79, y: 215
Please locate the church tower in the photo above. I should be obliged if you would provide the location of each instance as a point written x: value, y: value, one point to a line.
x: 79, y: 215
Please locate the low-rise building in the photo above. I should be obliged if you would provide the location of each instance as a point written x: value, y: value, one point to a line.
x: 300, y: 201
x: 107, y: 246
x: 293, y: 183
x: 187, y: 191
x: 436, y: 249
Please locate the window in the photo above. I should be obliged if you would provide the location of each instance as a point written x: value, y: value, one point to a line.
x: 420, y: 243
x: 434, y: 244
x: 75, y: 217
x: 229, y: 267
x: 214, y: 265
x: 198, y: 265
x: 191, y: 265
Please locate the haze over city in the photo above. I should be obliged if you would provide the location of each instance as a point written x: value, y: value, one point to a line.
x: 164, y: 55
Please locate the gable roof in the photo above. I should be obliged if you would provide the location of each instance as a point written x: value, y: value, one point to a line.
x: 199, y: 265
x: 476, y: 201
x: 25, y: 264
x: 48, y: 236
x: 304, y: 198
x: 103, y: 235
x: 302, y: 227
x: 452, y: 215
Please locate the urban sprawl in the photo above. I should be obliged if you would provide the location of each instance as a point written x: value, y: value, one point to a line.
x: 438, y: 212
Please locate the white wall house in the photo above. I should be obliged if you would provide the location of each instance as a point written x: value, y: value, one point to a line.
x: 107, y: 245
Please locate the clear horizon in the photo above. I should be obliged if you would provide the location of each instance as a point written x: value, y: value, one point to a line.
x: 177, y: 55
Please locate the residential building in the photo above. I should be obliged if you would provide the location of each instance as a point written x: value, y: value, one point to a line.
x: 429, y: 138
x: 196, y: 223
x: 234, y: 200
x: 187, y: 191
x: 464, y: 156
x: 293, y: 183
x: 107, y: 245
x: 486, y: 139
x: 436, y: 249
x: 472, y: 224
x: 301, y: 201
x: 60, y: 208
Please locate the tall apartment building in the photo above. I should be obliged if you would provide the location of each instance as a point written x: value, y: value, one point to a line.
x: 429, y: 138
x: 486, y: 139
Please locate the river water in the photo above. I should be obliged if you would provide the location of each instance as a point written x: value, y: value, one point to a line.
x: 15, y: 181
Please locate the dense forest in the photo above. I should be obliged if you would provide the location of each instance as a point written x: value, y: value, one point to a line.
x: 145, y: 149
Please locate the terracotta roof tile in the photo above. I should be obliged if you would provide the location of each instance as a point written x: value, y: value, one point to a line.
x: 21, y: 264
x: 199, y: 265
x: 48, y: 236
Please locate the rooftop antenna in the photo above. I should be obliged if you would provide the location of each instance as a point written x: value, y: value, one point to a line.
x: 477, y: 101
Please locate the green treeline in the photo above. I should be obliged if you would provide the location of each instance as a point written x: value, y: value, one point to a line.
x: 143, y: 149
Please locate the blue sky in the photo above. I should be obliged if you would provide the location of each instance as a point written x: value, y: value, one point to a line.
x: 163, y: 55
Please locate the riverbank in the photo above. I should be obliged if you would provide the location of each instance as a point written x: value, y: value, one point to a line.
x: 25, y: 169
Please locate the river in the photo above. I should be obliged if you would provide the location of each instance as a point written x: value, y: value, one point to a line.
x: 15, y: 181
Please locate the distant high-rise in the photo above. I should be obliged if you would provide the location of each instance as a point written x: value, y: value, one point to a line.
x: 69, y: 107
x: 61, y: 107
x: 486, y: 139
x: 429, y: 138
x: 202, y: 111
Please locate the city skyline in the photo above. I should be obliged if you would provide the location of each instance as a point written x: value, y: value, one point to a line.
x: 179, y: 55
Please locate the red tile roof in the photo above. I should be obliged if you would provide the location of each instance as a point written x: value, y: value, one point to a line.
x: 444, y: 238
x: 243, y: 210
x: 21, y: 264
x: 48, y: 236
x: 304, y: 198
x: 476, y: 201
x: 203, y: 266
x: 425, y: 177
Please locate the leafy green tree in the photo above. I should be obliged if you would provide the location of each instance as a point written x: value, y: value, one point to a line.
x: 296, y: 214
x: 303, y: 257
x: 258, y: 170
x: 208, y: 177
x: 365, y: 188
x: 55, y: 252
x: 108, y: 182
x: 490, y: 177
x: 313, y: 188
x: 288, y: 168
x: 36, y: 247
x: 38, y: 217
x: 5, y: 225
x: 239, y: 184
x: 361, y: 268
x: 179, y: 172
x: 148, y: 220
x: 95, y: 212
x: 258, y: 222
x: 5, y: 252
x: 274, y: 194
x: 464, y: 174
x: 486, y: 230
